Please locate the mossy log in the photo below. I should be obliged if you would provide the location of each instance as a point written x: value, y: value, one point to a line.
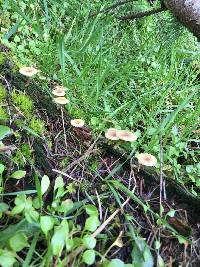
x: 187, y: 12
x: 174, y: 190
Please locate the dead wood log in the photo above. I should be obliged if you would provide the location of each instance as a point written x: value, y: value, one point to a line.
x: 187, y: 12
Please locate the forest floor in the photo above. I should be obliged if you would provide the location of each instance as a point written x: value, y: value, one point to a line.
x: 69, y: 196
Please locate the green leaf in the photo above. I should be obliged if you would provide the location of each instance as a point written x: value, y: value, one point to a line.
x: 91, y: 210
x: 3, y: 207
x: 171, y: 213
x: 2, y: 168
x: 89, y: 256
x: 4, y: 131
x: 92, y: 223
x: 141, y: 254
x: 59, y: 237
x: 66, y: 205
x: 116, y: 263
x: 7, y: 258
x: 18, y: 174
x: 31, y: 251
x: 18, y: 209
x: 89, y: 241
x: 58, y: 182
x: 18, y: 242
x: 45, y: 184
x: 32, y: 215
x: 11, y: 230
x: 69, y: 244
x: 46, y: 223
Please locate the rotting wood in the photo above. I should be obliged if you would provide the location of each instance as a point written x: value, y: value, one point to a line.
x: 187, y: 12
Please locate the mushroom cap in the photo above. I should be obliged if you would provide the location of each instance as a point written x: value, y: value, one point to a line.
x: 147, y: 159
x: 111, y: 134
x: 28, y: 71
x: 77, y: 123
x: 59, y: 91
x: 61, y: 100
x: 126, y: 135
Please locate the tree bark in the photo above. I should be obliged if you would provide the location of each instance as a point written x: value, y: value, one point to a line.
x: 187, y: 12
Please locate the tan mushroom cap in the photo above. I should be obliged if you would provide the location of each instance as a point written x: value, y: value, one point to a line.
x: 28, y: 71
x: 111, y: 134
x: 147, y: 159
x: 126, y: 135
x: 77, y: 123
x: 61, y: 100
x: 59, y: 91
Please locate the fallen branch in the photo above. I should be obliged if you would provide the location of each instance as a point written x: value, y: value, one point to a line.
x: 138, y: 15
x: 112, y: 7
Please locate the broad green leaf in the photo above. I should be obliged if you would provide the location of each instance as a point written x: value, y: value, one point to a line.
x: 11, y: 230
x: 32, y: 215
x: 89, y: 241
x: 46, y: 223
x: 7, y: 258
x: 69, y: 244
x: 18, y: 174
x: 89, y: 256
x: 66, y: 205
x: 92, y: 223
x: 58, y: 182
x: 116, y: 263
x: 18, y: 242
x: 3, y: 207
x: 141, y: 254
x: 4, y: 131
x: 2, y: 168
x: 45, y: 184
x: 91, y: 210
x: 59, y: 237
x: 18, y: 209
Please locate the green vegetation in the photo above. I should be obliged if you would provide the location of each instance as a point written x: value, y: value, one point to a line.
x: 142, y: 76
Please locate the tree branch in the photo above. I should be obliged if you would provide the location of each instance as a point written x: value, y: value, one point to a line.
x: 114, y: 6
x: 143, y: 14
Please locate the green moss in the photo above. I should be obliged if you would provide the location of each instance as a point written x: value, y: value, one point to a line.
x: 2, y: 92
x: 23, y: 154
x: 3, y: 114
x: 37, y: 125
x: 23, y: 102
x: 2, y: 59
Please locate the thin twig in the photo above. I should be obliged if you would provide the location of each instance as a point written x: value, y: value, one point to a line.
x: 142, y: 14
x: 114, y: 6
x: 87, y: 153
x: 77, y: 251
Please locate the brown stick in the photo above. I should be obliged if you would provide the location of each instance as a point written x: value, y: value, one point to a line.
x: 77, y: 251
x: 143, y: 14
x: 107, y: 9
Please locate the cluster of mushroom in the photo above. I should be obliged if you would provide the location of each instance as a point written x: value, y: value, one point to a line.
x: 111, y: 134
x: 59, y: 92
x: 125, y: 135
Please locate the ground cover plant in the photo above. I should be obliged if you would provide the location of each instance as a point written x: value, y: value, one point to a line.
x: 69, y: 195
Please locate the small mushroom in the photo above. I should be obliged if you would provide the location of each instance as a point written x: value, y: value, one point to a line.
x: 61, y: 100
x: 28, y: 71
x: 59, y: 91
x: 146, y: 159
x: 126, y: 135
x: 111, y: 134
x: 77, y: 123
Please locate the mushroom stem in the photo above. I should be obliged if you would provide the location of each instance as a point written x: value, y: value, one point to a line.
x: 63, y: 123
